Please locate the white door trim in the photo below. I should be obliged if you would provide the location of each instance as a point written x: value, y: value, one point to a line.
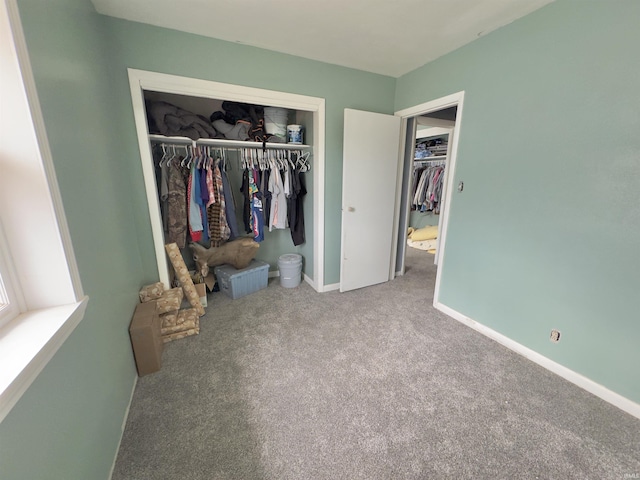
x: 140, y: 80
x: 455, y: 99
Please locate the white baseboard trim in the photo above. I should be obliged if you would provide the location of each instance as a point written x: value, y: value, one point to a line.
x: 330, y: 287
x: 306, y: 277
x: 124, y: 423
x: 581, y: 381
x: 310, y: 281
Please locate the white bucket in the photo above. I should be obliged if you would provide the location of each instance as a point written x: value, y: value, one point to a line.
x: 290, y: 266
x: 294, y: 134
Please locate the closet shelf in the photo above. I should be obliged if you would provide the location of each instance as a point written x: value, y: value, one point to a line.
x: 219, y: 142
x: 429, y: 159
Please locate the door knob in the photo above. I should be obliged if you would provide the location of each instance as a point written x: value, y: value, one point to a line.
x: 351, y: 209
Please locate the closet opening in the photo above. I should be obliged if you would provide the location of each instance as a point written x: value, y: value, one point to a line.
x: 430, y: 148
x: 183, y: 122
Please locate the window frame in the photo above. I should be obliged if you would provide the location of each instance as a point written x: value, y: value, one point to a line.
x: 11, y: 299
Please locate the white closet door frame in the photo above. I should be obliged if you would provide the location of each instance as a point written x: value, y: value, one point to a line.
x: 140, y: 80
x: 453, y: 100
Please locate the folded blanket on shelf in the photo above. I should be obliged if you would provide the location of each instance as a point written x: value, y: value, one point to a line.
x: 172, y: 121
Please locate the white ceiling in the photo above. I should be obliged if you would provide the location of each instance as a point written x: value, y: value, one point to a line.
x: 386, y: 37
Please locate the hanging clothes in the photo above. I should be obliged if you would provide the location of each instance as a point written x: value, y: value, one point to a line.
x: 195, y: 218
x: 197, y: 202
x: 202, y: 198
x: 257, y: 214
x: 278, y: 209
x: 427, y: 188
x: 296, y: 218
x: 176, y: 226
x: 225, y: 231
x: 213, y: 216
x: 210, y: 182
x: 162, y: 182
x: 230, y: 207
x: 246, y: 208
x: 266, y: 195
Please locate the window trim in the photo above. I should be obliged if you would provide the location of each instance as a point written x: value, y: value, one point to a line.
x: 11, y: 299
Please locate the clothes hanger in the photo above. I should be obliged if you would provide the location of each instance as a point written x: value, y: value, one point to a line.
x: 186, y: 156
x: 223, y: 158
x: 164, y: 154
x: 197, y: 160
x: 282, y: 159
x: 303, y: 161
x: 175, y: 153
x: 290, y: 163
x: 171, y: 154
x: 273, y: 160
x: 207, y: 158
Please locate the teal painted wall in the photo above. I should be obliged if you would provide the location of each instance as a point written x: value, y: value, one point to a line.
x: 546, y: 232
x: 67, y: 424
x: 161, y: 50
x: 419, y: 219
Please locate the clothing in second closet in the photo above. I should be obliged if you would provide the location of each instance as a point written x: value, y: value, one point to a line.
x: 427, y: 188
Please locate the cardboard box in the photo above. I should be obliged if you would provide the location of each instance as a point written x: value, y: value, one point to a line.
x: 210, y: 281
x: 201, y: 288
x: 146, y: 339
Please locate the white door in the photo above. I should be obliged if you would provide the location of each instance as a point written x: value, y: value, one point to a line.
x: 370, y: 167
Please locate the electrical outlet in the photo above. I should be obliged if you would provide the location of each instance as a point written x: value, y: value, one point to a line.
x: 555, y: 336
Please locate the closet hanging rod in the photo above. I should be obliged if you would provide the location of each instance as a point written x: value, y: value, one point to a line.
x: 433, y: 158
x: 219, y: 142
x: 434, y: 162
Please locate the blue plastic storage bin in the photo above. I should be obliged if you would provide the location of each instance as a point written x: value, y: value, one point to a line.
x: 238, y: 283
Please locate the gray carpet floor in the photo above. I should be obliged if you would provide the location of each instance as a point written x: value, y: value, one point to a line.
x: 370, y: 384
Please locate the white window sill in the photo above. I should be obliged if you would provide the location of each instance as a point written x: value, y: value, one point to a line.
x: 28, y: 342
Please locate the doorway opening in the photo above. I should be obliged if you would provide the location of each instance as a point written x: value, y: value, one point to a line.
x: 431, y: 133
